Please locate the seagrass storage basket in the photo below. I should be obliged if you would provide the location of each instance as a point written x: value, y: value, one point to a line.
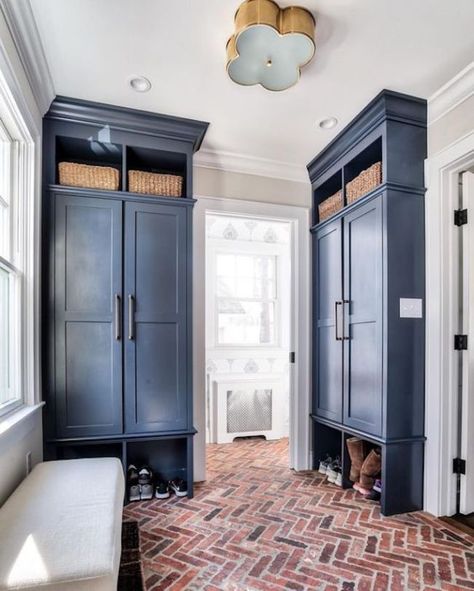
x: 152, y: 183
x: 88, y: 176
x: 363, y: 183
x: 330, y: 206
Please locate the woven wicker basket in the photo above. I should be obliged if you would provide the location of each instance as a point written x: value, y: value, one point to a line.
x: 366, y: 181
x: 151, y: 183
x: 330, y: 206
x: 87, y: 176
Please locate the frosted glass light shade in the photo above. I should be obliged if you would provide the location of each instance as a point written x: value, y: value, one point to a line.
x: 270, y: 44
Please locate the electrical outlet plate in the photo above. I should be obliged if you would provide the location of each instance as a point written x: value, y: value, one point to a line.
x: 411, y: 308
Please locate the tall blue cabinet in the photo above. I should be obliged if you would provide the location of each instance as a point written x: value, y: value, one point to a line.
x: 368, y: 260
x: 117, y: 369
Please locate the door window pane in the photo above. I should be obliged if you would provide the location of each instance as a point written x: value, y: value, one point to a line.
x: 240, y: 322
x: 246, y: 299
x: 246, y: 276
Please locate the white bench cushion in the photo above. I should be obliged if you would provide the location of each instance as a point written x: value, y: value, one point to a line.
x: 61, y: 529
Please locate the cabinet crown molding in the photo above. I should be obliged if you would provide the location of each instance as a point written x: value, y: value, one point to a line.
x: 133, y: 120
x: 387, y: 105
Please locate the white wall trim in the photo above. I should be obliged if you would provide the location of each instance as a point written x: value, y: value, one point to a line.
x: 25, y: 35
x: 246, y: 164
x: 442, y: 173
x: 300, y: 218
x: 453, y: 93
x: 21, y: 101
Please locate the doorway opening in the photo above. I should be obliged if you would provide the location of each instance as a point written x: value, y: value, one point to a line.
x: 249, y: 333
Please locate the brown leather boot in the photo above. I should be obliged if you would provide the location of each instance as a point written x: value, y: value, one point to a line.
x: 370, y: 469
x: 356, y: 448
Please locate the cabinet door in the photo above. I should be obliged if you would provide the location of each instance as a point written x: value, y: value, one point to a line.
x: 363, y: 295
x: 327, y: 347
x: 87, y: 291
x: 156, y: 381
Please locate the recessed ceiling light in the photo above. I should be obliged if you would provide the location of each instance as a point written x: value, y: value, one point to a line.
x: 328, y: 123
x: 140, y: 83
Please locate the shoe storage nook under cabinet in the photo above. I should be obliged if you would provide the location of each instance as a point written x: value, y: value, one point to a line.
x: 117, y: 218
x: 368, y: 289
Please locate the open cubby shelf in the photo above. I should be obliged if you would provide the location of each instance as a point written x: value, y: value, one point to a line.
x: 169, y: 456
x: 121, y: 157
x: 349, y: 169
x: 401, y: 481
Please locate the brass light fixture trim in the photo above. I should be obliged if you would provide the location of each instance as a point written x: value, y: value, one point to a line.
x: 270, y: 44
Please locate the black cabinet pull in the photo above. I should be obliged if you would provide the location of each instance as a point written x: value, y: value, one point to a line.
x: 336, y: 319
x: 118, y: 317
x: 131, y: 317
x: 344, y: 337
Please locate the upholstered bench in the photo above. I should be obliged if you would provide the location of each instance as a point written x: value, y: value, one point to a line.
x: 61, y: 529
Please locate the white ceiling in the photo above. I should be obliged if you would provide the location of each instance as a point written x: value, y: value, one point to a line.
x: 94, y: 46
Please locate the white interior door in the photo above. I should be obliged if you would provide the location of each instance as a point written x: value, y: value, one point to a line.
x: 467, y: 400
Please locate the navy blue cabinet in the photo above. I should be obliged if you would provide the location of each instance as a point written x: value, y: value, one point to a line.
x: 156, y: 318
x: 88, y: 288
x: 117, y: 363
x: 328, y: 346
x: 363, y: 307
x: 368, y: 356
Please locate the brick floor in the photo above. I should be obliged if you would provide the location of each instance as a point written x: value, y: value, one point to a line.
x: 257, y: 526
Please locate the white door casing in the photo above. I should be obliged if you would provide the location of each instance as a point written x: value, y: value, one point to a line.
x: 442, y: 322
x: 467, y: 398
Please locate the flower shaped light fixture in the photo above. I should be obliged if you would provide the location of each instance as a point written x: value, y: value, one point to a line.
x: 270, y: 44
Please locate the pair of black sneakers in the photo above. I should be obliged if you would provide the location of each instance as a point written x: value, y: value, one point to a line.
x: 143, y: 486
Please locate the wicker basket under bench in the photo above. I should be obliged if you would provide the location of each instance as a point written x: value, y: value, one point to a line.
x: 89, y: 177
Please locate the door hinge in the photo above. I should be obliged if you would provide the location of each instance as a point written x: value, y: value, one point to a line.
x: 292, y: 357
x: 459, y: 466
x: 460, y: 342
x: 460, y: 217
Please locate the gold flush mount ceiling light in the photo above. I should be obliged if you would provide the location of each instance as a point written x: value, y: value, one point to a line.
x: 270, y: 44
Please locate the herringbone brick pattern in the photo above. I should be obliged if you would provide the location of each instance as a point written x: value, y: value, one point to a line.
x: 257, y: 526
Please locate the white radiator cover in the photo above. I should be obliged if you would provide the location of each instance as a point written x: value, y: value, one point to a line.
x: 246, y: 406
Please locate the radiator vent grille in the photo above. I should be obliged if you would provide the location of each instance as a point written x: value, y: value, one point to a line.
x: 249, y: 410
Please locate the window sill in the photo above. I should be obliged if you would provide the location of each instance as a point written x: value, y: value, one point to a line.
x: 17, y: 418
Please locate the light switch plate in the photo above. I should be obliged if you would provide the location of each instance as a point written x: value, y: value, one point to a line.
x: 411, y: 308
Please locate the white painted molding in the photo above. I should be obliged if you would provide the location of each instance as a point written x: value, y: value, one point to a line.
x: 25, y: 34
x: 246, y: 164
x: 441, y: 372
x: 449, y: 96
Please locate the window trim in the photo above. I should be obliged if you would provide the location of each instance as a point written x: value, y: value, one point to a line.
x: 24, y: 243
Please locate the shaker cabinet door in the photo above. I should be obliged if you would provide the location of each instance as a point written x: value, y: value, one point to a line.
x: 363, y: 295
x: 328, y: 322
x: 156, y: 387
x: 87, y: 299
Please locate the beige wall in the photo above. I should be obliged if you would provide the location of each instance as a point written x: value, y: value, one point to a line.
x: 24, y: 437
x: 451, y: 127
x: 210, y: 182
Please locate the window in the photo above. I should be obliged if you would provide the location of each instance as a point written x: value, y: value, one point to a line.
x: 246, y: 292
x: 11, y: 266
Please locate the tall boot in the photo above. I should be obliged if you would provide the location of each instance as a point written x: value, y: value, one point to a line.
x: 370, y: 469
x: 356, y: 450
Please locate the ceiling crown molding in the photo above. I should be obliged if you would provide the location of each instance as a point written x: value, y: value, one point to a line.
x: 453, y: 93
x: 245, y: 164
x: 23, y: 29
